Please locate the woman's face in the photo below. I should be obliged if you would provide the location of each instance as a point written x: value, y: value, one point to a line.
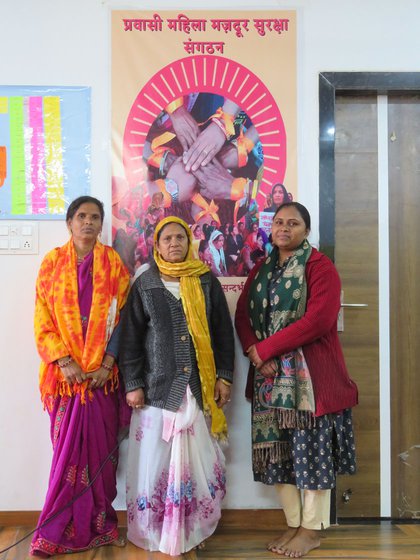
x: 260, y: 241
x: 255, y: 227
x: 205, y: 256
x: 235, y: 230
x: 278, y: 196
x: 197, y: 232
x: 288, y: 229
x: 86, y: 223
x: 218, y: 242
x: 173, y: 243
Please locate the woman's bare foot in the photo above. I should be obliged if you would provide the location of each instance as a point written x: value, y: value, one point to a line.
x: 200, y: 546
x: 304, y: 541
x: 278, y: 544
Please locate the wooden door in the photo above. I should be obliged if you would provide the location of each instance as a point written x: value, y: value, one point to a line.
x: 356, y: 258
x: 404, y: 235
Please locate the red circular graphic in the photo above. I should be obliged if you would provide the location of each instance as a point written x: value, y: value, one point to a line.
x: 212, y: 74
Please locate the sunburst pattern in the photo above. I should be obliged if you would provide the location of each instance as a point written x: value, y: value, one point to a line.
x: 216, y: 75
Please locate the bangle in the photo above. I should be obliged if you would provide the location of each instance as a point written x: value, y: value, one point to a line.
x: 225, y: 382
x: 65, y: 363
x: 174, y: 105
x: 225, y: 122
x: 162, y: 162
x: 107, y: 366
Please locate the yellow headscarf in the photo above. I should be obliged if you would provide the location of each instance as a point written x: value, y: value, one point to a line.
x: 193, y: 303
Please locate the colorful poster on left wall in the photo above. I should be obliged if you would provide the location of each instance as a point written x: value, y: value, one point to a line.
x: 45, y: 144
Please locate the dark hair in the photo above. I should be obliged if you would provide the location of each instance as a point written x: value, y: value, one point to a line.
x: 168, y: 224
x: 77, y: 203
x: 286, y: 195
x: 261, y: 233
x: 304, y: 214
x: 203, y: 245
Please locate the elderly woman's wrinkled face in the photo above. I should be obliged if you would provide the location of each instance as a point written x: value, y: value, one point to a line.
x: 173, y: 243
x: 278, y: 196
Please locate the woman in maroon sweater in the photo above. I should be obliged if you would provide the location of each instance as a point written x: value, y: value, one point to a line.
x: 302, y: 395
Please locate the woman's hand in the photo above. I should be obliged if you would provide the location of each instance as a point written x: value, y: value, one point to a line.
x: 228, y: 156
x: 254, y: 357
x: 185, y: 127
x: 72, y: 372
x: 186, y: 181
x: 135, y: 398
x: 221, y: 393
x: 98, y: 378
x: 269, y: 368
x: 205, y: 147
x: 214, y: 180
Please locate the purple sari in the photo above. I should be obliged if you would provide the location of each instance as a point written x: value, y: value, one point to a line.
x: 83, y: 435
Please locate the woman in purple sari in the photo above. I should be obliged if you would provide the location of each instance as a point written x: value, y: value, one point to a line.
x: 81, y: 288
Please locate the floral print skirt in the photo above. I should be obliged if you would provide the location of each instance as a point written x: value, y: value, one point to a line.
x: 175, y: 478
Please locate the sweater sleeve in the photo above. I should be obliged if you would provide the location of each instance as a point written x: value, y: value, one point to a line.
x: 243, y: 327
x: 222, y: 332
x: 323, y: 305
x: 132, y: 333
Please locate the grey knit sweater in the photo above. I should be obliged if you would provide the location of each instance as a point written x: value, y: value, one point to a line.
x: 156, y: 349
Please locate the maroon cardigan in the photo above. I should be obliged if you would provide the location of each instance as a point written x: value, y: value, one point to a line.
x: 315, y: 332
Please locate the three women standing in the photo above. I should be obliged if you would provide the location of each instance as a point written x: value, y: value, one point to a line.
x: 176, y: 357
x: 302, y: 396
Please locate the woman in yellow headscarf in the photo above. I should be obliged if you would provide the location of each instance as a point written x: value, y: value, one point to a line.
x: 176, y: 357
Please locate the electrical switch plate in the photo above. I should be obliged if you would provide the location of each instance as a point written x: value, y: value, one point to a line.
x: 19, y: 237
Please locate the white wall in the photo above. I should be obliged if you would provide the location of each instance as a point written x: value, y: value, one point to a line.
x: 66, y: 43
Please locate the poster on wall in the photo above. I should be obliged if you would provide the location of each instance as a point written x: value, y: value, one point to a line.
x: 44, y: 150
x: 203, y: 127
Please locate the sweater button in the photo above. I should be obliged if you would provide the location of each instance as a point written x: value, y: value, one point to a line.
x: 186, y: 369
x: 183, y: 338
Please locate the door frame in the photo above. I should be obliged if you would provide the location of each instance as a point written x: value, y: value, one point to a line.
x: 331, y: 84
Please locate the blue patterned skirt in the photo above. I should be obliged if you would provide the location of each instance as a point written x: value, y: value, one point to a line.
x: 315, y: 455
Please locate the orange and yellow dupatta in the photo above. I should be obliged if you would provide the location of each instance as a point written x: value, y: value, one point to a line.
x: 58, y: 327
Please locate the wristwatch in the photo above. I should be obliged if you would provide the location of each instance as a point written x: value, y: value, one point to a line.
x: 173, y: 189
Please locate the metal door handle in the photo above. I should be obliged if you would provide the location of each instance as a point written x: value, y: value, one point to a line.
x: 354, y: 305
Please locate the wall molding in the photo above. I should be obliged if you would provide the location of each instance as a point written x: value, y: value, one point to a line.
x: 231, y: 518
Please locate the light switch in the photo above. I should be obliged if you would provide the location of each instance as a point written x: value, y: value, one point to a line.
x: 18, y: 238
